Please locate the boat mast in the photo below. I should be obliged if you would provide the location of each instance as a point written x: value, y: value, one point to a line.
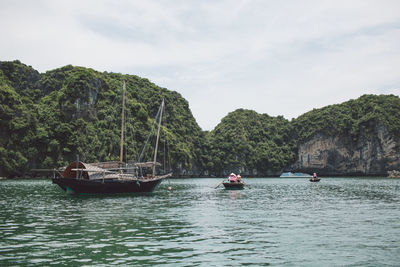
x: 158, y: 135
x: 122, y: 125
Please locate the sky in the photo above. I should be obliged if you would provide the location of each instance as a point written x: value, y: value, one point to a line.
x: 275, y: 57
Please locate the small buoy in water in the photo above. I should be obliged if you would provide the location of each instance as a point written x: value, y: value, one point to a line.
x: 169, y: 188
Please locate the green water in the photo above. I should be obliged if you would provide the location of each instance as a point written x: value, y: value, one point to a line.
x: 277, y: 222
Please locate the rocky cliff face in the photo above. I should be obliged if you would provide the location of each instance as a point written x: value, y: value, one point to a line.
x: 374, y: 153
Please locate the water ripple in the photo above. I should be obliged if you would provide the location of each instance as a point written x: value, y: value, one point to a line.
x: 339, y: 221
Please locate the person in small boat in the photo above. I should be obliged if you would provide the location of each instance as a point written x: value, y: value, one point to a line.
x: 239, y: 178
x: 314, y: 177
x: 232, y: 178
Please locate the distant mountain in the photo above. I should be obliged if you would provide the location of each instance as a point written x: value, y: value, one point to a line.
x: 357, y: 137
x: 49, y: 118
x: 250, y: 143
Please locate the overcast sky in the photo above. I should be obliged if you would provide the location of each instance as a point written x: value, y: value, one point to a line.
x: 275, y: 57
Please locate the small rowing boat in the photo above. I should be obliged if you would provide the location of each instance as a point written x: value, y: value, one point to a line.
x: 233, y: 185
x: 234, y: 182
x: 314, y: 178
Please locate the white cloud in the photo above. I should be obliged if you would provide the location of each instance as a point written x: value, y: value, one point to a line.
x: 280, y: 58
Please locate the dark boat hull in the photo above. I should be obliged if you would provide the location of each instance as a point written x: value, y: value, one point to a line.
x: 108, y: 186
x: 315, y: 180
x: 233, y: 186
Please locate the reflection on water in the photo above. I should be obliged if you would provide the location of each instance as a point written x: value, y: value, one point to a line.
x: 339, y: 221
x: 234, y: 194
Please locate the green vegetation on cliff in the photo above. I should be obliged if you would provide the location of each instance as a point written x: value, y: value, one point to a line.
x: 258, y: 144
x: 246, y: 141
x: 47, y: 119
x: 75, y: 110
x: 351, y: 117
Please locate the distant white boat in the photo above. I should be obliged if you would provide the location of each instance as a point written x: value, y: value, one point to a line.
x: 294, y: 175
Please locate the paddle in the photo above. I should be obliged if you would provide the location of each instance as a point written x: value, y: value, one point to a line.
x: 247, y: 185
x: 218, y: 185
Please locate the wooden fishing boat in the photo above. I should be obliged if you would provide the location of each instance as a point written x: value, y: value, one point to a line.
x: 79, y: 177
x: 234, y: 185
x: 84, y: 178
x: 314, y: 178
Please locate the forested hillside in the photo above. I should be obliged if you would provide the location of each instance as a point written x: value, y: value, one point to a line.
x: 251, y: 143
x: 46, y: 119
x: 351, y: 117
x: 357, y: 137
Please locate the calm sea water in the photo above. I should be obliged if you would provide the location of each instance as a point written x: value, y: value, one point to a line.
x: 277, y: 222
